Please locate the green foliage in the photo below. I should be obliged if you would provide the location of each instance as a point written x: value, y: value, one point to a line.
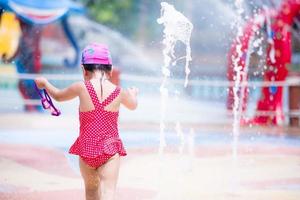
x: 134, y: 18
x: 117, y: 14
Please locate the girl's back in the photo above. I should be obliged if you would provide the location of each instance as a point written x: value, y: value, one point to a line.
x: 108, y: 88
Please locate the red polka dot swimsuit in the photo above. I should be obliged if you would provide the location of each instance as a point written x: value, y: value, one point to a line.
x: 99, y: 137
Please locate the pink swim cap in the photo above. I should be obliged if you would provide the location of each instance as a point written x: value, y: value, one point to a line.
x: 96, y: 54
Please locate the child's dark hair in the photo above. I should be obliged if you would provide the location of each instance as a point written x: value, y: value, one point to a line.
x: 104, y: 68
x: 101, y: 67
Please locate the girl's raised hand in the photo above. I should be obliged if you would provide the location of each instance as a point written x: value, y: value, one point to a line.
x: 133, y: 91
x: 129, y: 98
x: 40, y: 82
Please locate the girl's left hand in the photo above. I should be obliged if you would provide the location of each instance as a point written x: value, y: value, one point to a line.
x: 40, y: 82
x: 133, y: 91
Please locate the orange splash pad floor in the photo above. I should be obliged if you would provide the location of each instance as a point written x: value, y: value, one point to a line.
x: 260, y: 172
x: 263, y: 169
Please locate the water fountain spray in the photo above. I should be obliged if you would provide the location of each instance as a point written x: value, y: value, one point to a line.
x: 270, y: 35
x: 237, y: 85
x: 176, y: 28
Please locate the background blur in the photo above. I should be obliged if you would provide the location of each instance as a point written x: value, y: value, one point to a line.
x: 203, y: 159
x: 130, y: 29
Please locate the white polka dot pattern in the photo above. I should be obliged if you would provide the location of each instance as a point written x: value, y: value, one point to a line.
x: 99, y: 136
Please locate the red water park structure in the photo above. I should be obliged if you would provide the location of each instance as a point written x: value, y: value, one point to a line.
x: 276, y: 25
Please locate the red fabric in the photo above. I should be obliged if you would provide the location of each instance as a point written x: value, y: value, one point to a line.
x: 99, y: 136
x: 96, y: 162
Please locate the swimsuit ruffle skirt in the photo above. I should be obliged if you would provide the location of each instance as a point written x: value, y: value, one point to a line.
x: 99, y: 137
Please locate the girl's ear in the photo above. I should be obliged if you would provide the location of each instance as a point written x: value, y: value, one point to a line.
x: 111, y: 72
x: 84, y: 72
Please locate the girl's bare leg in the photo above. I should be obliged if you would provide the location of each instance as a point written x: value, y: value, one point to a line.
x: 109, y: 173
x: 91, y: 181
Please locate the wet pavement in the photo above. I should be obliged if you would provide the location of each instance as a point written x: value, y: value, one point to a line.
x: 34, y: 163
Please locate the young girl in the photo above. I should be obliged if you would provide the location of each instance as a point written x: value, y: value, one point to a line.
x: 98, y: 146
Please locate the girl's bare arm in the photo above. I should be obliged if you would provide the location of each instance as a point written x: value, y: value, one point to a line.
x: 59, y: 94
x: 129, y: 98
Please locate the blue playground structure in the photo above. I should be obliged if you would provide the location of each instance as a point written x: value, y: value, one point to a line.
x: 30, y: 17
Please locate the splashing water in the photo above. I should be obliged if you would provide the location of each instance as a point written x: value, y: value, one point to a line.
x: 270, y: 35
x: 237, y: 89
x: 176, y: 28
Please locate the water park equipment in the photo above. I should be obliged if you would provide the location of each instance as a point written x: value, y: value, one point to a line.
x: 10, y: 33
x: 276, y: 24
x: 30, y: 17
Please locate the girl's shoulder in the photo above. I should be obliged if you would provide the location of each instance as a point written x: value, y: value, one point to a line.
x: 122, y: 90
x: 114, y: 87
x: 78, y: 86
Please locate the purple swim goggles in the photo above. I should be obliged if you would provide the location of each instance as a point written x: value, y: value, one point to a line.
x: 47, y: 102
